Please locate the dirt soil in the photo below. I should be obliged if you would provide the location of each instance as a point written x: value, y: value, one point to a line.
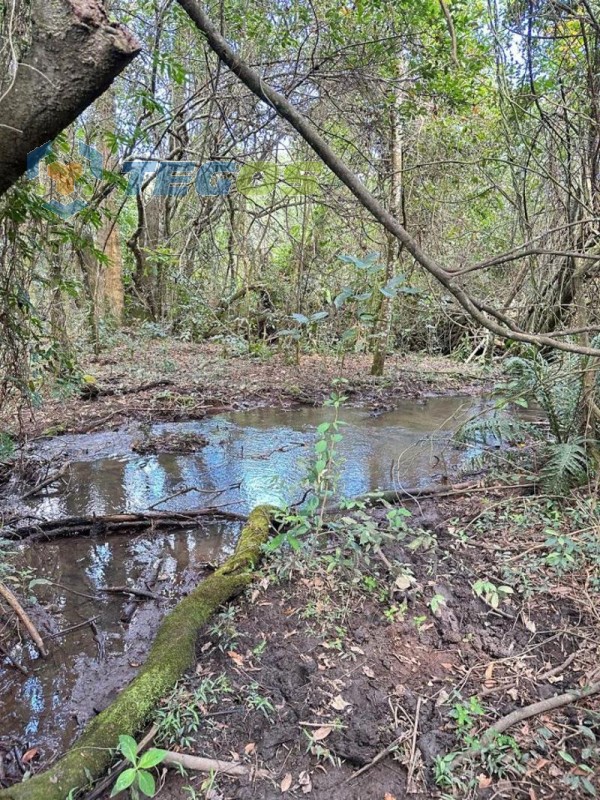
x: 326, y: 670
x: 152, y: 380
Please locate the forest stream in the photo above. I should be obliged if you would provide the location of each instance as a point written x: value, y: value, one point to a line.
x: 243, y: 459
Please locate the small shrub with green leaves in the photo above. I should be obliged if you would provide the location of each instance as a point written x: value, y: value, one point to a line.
x: 137, y: 778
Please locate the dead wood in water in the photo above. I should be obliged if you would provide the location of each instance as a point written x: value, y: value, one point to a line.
x: 22, y: 615
x: 117, y: 523
x: 56, y: 476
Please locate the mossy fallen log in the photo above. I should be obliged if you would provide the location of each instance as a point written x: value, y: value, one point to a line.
x: 172, y: 653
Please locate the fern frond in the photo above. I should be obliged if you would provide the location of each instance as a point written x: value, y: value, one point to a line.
x: 496, y: 429
x: 566, y: 465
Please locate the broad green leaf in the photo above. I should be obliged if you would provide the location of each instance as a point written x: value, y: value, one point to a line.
x: 124, y: 781
x: 128, y: 746
x: 146, y: 783
x: 151, y: 758
x: 300, y: 318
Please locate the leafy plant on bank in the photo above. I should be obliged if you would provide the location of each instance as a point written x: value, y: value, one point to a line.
x: 566, y: 447
x: 320, y: 484
x: 137, y: 778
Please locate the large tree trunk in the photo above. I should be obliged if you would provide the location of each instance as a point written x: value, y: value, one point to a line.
x: 74, y: 56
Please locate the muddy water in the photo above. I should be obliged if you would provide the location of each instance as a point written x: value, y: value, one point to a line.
x: 263, y: 453
x: 86, y: 668
x: 250, y: 457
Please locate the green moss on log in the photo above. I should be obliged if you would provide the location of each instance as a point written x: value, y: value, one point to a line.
x: 172, y: 653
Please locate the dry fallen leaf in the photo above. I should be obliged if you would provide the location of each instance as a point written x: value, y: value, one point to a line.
x: 250, y: 748
x: 388, y: 796
x: 368, y: 672
x: 305, y: 782
x: 236, y: 657
x: 442, y: 698
x: 286, y: 783
x: 529, y: 623
x: 484, y: 782
x: 322, y: 733
x: 404, y: 582
x: 338, y: 703
x: 29, y: 755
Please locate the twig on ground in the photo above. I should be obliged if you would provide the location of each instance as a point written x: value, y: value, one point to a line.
x: 521, y: 714
x: 74, y: 627
x: 557, y: 670
x: 542, y: 707
x: 15, y: 663
x: 413, y: 748
x: 22, y: 615
x: 101, y: 421
x: 381, y: 755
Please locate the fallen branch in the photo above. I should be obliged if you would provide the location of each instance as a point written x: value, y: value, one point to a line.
x: 542, y: 707
x: 22, y: 615
x: 521, y: 714
x: 116, y: 523
x: 418, y: 492
x: 56, y: 476
x: 129, y: 590
x: 200, y: 764
x: 551, y: 673
x: 381, y: 755
x: 74, y: 627
x: 173, y: 652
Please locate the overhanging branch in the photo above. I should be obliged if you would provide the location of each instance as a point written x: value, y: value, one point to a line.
x: 311, y: 136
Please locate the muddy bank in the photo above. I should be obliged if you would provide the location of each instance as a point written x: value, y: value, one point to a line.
x: 190, y: 381
x: 337, y: 665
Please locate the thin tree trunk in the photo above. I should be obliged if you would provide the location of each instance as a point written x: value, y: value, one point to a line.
x: 383, y: 316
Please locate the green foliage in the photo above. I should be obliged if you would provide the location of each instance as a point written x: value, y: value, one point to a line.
x: 320, y: 483
x: 137, y: 778
x: 490, y: 593
x: 567, y: 464
x: 183, y: 713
